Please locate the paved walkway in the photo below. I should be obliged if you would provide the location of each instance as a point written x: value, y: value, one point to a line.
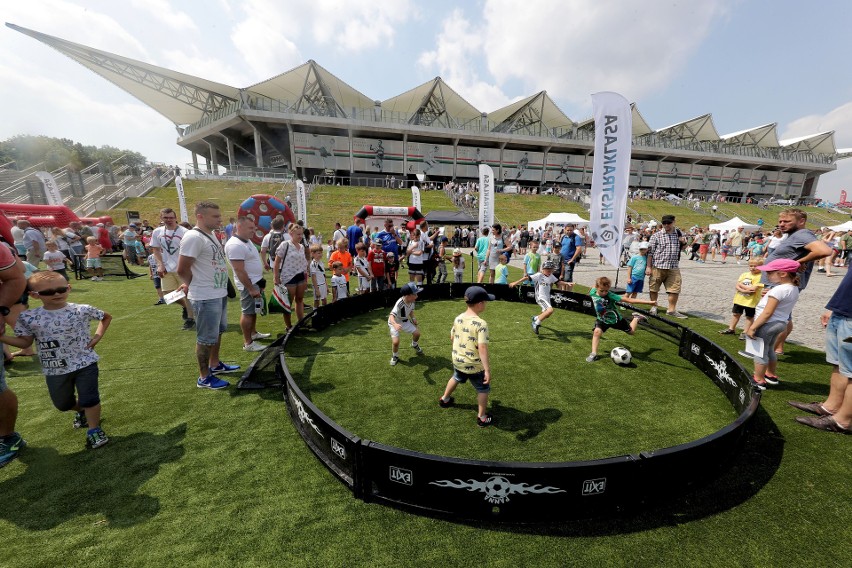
x: 708, y: 292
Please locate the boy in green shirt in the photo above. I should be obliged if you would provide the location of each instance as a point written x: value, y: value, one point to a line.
x: 607, y: 314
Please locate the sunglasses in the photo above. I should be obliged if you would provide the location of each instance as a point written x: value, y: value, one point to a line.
x: 53, y: 291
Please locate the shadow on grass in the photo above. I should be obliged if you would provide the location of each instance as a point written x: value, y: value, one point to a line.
x: 105, y: 482
x: 435, y: 365
x: 738, y: 481
x: 528, y: 425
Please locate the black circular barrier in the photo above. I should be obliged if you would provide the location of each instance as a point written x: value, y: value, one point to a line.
x: 516, y: 492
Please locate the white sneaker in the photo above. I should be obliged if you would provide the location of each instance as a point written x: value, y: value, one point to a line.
x: 254, y: 346
x: 259, y: 335
x: 653, y: 311
x: 394, y: 360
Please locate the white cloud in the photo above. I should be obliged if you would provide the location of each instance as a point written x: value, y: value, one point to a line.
x: 162, y: 11
x: 840, y: 121
x: 573, y: 48
x: 456, y: 57
x: 210, y: 68
x: 269, y: 35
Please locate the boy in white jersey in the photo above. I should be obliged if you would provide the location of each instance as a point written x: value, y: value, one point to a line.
x: 362, y: 267
x: 542, y: 281
x: 402, y: 319
x: 318, y: 276
x: 339, y: 286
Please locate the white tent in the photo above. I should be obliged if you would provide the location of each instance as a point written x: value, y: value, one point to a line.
x: 558, y: 220
x: 847, y: 226
x: 732, y: 224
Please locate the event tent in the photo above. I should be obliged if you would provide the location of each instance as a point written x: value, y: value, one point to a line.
x: 557, y: 220
x: 732, y: 224
x: 847, y: 226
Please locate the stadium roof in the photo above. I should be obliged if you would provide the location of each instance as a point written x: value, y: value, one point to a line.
x: 432, y: 103
x: 765, y: 136
x: 181, y: 98
x: 696, y: 129
x: 311, y: 87
x: 536, y: 115
x: 822, y: 143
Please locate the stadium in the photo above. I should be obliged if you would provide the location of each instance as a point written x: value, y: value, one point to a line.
x: 307, y: 122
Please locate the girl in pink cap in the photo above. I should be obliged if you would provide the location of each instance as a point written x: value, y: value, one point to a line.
x: 772, y: 314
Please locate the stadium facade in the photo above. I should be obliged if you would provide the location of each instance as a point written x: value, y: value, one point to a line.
x: 308, y: 121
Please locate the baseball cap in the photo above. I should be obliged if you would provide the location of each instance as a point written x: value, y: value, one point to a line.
x: 476, y: 294
x: 410, y: 288
x: 457, y: 252
x: 132, y: 225
x: 783, y: 264
x: 549, y: 264
x: 643, y: 246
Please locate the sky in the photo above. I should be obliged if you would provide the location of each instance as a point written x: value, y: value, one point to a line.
x: 748, y: 62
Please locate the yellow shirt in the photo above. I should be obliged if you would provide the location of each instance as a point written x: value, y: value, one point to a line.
x: 469, y: 332
x: 749, y: 300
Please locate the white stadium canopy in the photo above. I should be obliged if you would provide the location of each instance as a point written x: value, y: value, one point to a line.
x: 732, y: 224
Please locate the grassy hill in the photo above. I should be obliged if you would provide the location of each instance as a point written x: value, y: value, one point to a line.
x: 330, y: 204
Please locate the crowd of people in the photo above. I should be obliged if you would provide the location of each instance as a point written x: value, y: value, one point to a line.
x: 193, y: 266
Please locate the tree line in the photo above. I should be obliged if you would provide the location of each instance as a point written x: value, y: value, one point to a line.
x: 27, y: 150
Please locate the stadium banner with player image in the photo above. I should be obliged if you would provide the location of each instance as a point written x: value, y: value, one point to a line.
x: 51, y: 191
x: 429, y: 159
x: 184, y: 216
x: 643, y: 173
x: 611, y: 172
x: 469, y: 158
x: 302, y: 201
x: 377, y: 156
x: 415, y: 197
x: 486, y: 196
x: 521, y: 165
x: 565, y: 168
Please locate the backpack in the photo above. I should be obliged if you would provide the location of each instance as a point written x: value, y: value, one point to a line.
x: 275, y: 240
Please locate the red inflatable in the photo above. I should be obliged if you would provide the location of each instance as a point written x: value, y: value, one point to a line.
x: 41, y: 216
x: 262, y: 209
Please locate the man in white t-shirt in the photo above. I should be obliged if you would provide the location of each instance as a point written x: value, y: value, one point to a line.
x: 248, y: 279
x: 165, y: 245
x: 204, y: 271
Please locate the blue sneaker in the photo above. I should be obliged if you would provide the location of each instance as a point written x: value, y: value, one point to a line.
x: 223, y: 368
x: 9, y: 448
x: 212, y: 382
x: 95, y: 438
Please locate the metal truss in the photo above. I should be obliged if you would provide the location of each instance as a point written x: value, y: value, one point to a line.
x: 526, y: 120
x: 432, y: 109
x: 317, y: 98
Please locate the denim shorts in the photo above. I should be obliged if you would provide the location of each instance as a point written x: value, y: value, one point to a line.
x: 837, y: 352
x: 211, y: 319
x: 247, y: 306
x: 636, y: 286
x: 475, y: 380
x: 84, y: 381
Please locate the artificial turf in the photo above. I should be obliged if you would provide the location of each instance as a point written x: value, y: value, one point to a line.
x: 202, y: 478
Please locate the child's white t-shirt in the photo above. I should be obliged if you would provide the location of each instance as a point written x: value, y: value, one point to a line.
x: 542, y: 285
x: 339, y: 283
x: 460, y: 267
x: 62, y: 336
x: 318, y: 270
x: 361, y: 263
x: 402, y: 310
x: 787, y: 295
x: 54, y: 260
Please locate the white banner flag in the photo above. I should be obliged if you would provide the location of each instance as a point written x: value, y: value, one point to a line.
x: 302, y: 202
x: 415, y: 197
x: 611, y: 172
x: 181, y: 199
x: 51, y: 191
x: 486, y: 196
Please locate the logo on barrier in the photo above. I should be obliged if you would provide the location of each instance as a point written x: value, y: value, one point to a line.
x: 721, y: 371
x: 403, y: 476
x: 559, y: 299
x: 338, y: 448
x: 531, y: 295
x: 304, y: 416
x: 496, y: 488
x: 696, y: 349
x: 594, y: 486
x: 587, y: 303
x: 742, y: 396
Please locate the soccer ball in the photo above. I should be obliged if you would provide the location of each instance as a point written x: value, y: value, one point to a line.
x: 621, y: 356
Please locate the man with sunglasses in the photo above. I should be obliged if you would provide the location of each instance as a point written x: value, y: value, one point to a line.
x: 12, y: 285
x: 165, y: 244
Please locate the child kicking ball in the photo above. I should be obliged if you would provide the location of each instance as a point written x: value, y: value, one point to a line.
x: 542, y: 281
x: 402, y: 319
x: 607, y: 314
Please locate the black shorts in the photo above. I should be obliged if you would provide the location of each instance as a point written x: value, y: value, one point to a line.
x: 296, y: 280
x: 621, y: 324
x: 738, y: 309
